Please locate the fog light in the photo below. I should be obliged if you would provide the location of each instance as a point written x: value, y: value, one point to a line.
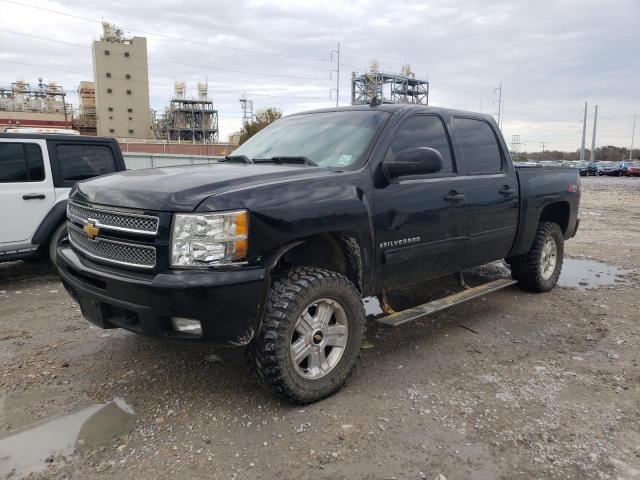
x: 187, y: 325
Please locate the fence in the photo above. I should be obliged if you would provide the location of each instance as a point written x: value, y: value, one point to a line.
x: 136, y: 161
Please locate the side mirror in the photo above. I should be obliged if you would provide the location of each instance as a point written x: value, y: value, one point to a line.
x: 414, y: 161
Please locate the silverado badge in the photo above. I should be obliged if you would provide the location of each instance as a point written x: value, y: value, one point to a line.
x: 91, y: 230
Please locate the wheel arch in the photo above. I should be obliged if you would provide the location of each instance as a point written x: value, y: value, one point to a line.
x: 557, y: 212
x: 50, y: 223
x: 335, y: 251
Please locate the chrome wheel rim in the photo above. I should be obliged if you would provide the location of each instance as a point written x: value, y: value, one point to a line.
x: 319, y: 338
x: 548, y: 258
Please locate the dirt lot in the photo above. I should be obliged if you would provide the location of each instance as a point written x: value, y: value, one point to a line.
x: 511, y: 386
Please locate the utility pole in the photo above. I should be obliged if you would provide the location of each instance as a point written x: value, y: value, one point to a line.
x: 543, y: 145
x: 584, y: 132
x: 633, y: 134
x: 499, y: 90
x: 592, y: 157
x: 337, y: 70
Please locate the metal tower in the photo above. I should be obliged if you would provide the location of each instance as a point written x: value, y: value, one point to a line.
x: 388, y: 88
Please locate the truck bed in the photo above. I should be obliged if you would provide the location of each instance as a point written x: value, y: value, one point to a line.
x: 541, y: 186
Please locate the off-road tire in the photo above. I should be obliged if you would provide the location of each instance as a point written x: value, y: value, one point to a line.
x: 58, y: 235
x: 527, y: 268
x: 269, y: 352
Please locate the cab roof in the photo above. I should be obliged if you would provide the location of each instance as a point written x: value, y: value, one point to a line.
x: 397, y: 107
x: 56, y: 136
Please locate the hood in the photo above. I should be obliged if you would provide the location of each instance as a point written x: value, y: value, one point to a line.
x: 183, y: 188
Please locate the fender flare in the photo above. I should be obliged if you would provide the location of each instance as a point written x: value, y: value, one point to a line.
x: 54, y: 218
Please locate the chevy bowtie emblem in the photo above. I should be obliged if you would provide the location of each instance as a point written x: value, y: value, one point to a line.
x: 91, y: 230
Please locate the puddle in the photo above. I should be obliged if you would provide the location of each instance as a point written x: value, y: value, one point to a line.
x: 587, y: 274
x: 28, y: 451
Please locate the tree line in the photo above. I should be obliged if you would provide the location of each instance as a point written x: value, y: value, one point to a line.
x: 605, y: 153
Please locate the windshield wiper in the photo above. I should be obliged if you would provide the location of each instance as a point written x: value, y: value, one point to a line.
x: 236, y: 159
x: 283, y: 159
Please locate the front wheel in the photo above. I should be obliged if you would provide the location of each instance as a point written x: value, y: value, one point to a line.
x: 311, y: 335
x: 539, y: 269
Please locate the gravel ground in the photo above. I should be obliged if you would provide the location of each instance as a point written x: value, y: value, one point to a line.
x: 531, y: 386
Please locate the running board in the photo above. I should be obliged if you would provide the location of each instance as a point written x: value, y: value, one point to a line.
x: 443, y: 303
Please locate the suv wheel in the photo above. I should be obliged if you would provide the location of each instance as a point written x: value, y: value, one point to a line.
x: 539, y: 269
x: 58, y: 235
x: 311, y: 335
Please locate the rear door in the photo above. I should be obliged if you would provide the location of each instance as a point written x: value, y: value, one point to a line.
x: 420, y: 221
x: 26, y: 190
x: 491, y: 189
x: 75, y: 161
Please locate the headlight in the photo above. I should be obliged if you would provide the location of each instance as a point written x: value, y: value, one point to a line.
x: 200, y: 240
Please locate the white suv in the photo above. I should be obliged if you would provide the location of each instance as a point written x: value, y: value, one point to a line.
x: 37, y: 172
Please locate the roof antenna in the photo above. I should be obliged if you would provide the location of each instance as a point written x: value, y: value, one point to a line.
x: 375, y: 101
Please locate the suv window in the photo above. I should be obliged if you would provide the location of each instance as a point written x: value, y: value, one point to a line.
x: 78, y: 162
x: 21, y: 162
x: 478, y: 146
x: 423, y: 131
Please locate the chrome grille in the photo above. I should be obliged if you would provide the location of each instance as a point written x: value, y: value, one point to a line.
x: 110, y: 220
x: 112, y: 251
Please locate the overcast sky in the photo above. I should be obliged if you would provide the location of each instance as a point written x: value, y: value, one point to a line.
x: 551, y: 56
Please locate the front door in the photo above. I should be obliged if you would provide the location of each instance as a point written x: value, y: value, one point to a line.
x: 26, y: 191
x: 420, y: 222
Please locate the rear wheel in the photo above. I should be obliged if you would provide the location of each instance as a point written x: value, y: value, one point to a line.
x: 58, y: 235
x: 539, y: 269
x: 311, y: 335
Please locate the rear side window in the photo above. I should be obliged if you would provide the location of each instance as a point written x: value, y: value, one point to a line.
x: 21, y: 163
x: 79, y: 162
x: 478, y: 146
x: 423, y: 131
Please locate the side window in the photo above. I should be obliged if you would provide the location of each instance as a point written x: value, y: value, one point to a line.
x: 79, y: 162
x: 478, y: 146
x: 423, y: 131
x: 20, y: 163
x: 34, y: 162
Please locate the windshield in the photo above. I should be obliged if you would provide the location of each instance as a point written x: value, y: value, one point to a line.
x: 331, y: 139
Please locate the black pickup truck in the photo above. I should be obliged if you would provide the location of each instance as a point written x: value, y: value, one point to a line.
x: 276, y: 246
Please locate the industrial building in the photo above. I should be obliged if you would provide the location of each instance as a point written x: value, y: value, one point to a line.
x: 189, y: 120
x: 84, y: 119
x: 42, y: 106
x: 388, y: 88
x: 121, y: 84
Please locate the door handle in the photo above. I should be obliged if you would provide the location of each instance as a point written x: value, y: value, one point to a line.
x: 507, y: 190
x: 33, y: 196
x: 454, y: 196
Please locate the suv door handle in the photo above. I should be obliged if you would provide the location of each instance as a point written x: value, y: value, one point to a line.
x: 33, y: 196
x: 454, y: 196
x: 507, y: 190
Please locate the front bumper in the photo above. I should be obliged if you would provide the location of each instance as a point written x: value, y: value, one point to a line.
x: 227, y: 303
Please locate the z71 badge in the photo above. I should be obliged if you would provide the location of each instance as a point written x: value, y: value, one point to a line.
x: 402, y: 241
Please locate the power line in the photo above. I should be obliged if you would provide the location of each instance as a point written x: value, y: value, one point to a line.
x: 161, y: 60
x: 171, y: 37
x: 162, y: 85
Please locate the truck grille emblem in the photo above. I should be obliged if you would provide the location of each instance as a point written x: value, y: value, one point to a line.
x: 91, y: 230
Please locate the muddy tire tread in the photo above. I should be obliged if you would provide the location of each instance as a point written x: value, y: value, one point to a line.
x: 283, y: 301
x: 526, y: 268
